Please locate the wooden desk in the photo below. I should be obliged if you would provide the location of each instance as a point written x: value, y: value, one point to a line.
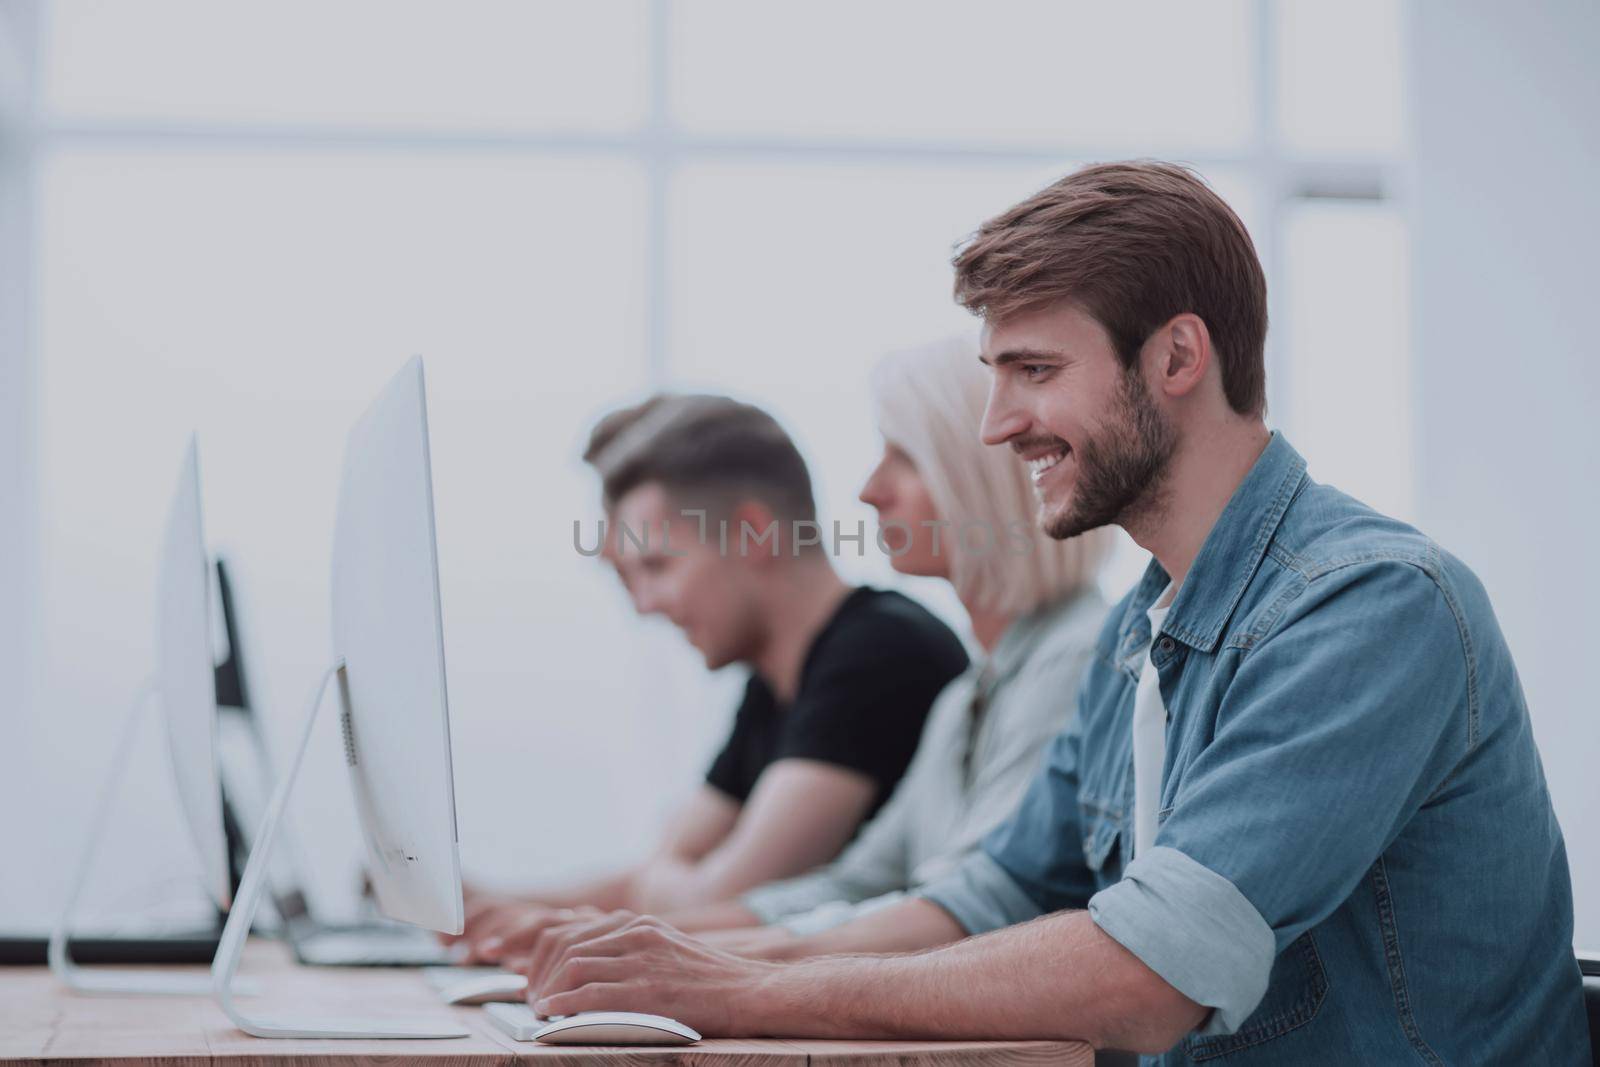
x: 40, y: 1021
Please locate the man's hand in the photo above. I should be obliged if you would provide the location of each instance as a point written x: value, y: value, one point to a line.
x: 491, y: 919
x: 482, y: 910
x: 512, y: 937
x: 546, y: 948
x: 624, y: 962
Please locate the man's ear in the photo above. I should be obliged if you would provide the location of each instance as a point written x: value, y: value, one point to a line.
x: 755, y: 534
x: 1179, y: 355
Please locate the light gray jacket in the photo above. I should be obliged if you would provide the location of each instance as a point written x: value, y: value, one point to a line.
x: 940, y: 810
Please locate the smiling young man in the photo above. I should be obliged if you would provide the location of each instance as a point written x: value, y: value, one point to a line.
x: 1300, y: 817
x: 841, y: 677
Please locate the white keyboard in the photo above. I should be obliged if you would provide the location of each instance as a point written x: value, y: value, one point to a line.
x: 442, y: 978
x: 357, y: 949
x: 488, y: 988
x: 518, y: 1020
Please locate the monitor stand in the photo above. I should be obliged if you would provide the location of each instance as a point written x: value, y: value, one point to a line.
x: 243, y: 913
x: 118, y: 980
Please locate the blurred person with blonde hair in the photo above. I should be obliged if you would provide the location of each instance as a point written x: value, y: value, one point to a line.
x: 948, y: 507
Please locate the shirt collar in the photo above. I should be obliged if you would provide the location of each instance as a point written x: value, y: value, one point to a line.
x: 1231, y: 553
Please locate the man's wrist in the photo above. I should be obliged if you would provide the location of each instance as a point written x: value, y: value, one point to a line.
x: 780, y: 947
x: 761, y: 1004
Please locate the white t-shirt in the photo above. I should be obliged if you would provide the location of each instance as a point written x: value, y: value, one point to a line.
x: 1149, y: 735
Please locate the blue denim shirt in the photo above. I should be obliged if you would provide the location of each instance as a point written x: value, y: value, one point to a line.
x: 1357, y: 859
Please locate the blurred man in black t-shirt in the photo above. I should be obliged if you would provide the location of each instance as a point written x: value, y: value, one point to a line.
x: 711, y: 522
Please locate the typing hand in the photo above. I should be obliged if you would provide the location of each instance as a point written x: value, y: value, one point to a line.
x: 475, y: 900
x: 514, y: 932
x: 487, y: 914
x: 545, y: 947
x: 623, y: 962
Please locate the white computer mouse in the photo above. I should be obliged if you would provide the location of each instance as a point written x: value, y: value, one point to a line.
x: 616, y: 1028
x: 501, y: 987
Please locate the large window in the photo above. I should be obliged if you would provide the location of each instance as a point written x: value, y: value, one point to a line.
x: 247, y: 216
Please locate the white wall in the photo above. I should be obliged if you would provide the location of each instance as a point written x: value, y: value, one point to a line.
x: 1506, y: 106
x: 16, y: 408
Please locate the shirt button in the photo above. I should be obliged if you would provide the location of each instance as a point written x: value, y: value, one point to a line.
x: 1167, y: 644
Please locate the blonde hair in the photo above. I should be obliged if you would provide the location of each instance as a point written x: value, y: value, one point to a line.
x: 928, y: 402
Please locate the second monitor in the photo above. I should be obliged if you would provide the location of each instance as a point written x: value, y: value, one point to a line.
x: 388, y: 661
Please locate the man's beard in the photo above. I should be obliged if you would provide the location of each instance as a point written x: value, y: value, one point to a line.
x: 1121, y: 471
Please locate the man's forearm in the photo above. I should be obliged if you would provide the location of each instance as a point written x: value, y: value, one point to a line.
x: 608, y: 893
x: 903, y: 927
x: 668, y: 884
x: 726, y: 915
x: 1059, y: 977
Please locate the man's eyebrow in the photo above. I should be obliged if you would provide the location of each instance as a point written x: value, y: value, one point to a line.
x: 1020, y: 355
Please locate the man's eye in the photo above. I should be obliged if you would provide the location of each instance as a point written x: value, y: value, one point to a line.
x: 1034, y: 371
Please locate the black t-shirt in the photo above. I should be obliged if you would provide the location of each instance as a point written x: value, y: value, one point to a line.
x: 865, y: 688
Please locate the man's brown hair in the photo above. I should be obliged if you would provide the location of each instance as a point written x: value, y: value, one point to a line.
x: 1132, y: 244
x: 706, y: 451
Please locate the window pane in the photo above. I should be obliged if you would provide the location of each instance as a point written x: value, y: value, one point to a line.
x: 1019, y: 71
x: 1339, y: 82
x: 16, y: 53
x: 474, y: 64
x: 1350, y: 367
x: 262, y: 300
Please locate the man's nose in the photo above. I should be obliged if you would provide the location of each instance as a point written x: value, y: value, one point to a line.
x: 645, y: 601
x: 1002, y: 418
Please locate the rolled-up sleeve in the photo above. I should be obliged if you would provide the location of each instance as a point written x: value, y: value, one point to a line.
x: 981, y: 896
x: 1195, y: 929
x: 1334, y: 731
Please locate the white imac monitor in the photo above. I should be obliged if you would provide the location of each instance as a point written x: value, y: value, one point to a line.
x: 184, y: 688
x: 387, y: 630
x: 388, y: 658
